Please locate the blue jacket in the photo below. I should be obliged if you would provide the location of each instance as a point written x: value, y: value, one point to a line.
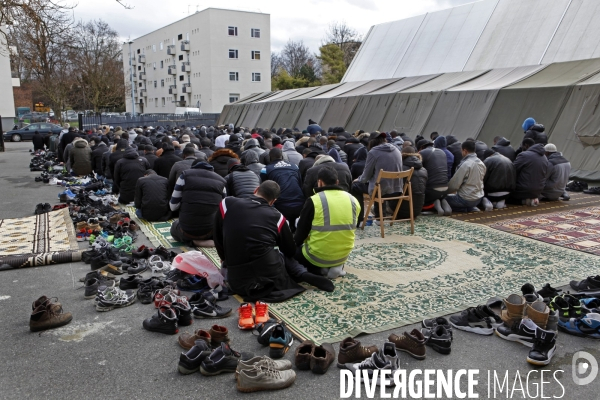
x: 288, y: 178
x: 440, y: 143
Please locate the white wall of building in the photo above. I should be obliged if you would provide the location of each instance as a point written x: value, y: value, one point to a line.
x: 7, y: 102
x: 209, y: 77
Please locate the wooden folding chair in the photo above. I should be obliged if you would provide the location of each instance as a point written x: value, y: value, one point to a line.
x: 377, y: 198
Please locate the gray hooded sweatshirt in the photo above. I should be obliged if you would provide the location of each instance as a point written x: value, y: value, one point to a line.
x: 385, y: 157
x: 293, y: 156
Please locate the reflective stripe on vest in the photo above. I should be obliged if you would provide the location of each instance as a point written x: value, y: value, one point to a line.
x: 332, y: 236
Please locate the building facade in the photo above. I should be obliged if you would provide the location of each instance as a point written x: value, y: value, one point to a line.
x: 206, y: 60
x: 7, y: 103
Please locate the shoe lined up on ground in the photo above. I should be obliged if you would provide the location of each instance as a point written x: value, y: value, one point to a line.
x: 351, y: 351
x: 223, y: 359
x: 187, y: 340
x: 472, y: 320
x: 262, y: 373
x: 47, y: 313
x: 439, y: 338
x: 576, y: 186
x: 164, y: 321
x: 190, y: 361
x: 110, y: 298
x: 209, y: 309
x: 249, y: 317
x: 589, y: 285
x: 412, y: 343
x: 280, y: 341
x: 384, y: 359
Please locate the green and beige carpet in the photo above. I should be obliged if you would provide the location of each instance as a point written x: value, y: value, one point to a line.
x: 159, y: 233
x: 38, y: 240
x: 446, y: 266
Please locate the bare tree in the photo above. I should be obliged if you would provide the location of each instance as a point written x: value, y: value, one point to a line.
x: 99, y: 62
x: 294, y: 56
x: 275, y: 63
x: 345, y: 37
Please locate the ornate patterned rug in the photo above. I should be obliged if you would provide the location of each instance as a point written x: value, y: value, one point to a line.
x: 445, y: 267
x: 47, y: 233
x: 576, y: 229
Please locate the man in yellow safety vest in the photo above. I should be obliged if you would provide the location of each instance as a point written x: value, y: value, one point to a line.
x: 325, y: 231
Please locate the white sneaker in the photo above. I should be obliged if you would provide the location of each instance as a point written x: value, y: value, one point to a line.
x: 501, y: 204
x: 487, y: 205
x: 438, y: 207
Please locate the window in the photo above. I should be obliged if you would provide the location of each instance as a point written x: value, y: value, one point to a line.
x: 256, y: 77
x: 161, y: 45
x: 139, y: 67
x: 181, y: 98
x: 187, y: 36
x: 181, y: 57
x: 156, y: 101
x: 234, y: 76
x: 179, y: 37
x: 162, y: 83
x: 154, y: 65
x: 138, y: 51
x: 233, y: 53
x: 163, y: 101
x: 162, y: 64
x: 155, y: 83
x: 154, y: 48
x: 255, y: 55
x: 232, y: 30
x: 181, y: 77
x: 233, y: 97
x: 255, y: 33
x: 141, y: 84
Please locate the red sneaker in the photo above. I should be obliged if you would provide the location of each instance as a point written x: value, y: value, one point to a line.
x: 262, y: 312
x: 246, y: 320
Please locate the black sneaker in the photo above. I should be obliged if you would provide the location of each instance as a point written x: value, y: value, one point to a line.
x: 432, y: 323
x: 101, y: 261
x: 138, y: 267
x: 438, y: 338
x: 494, y: 318
x: 192, y: 284
x: 164, y: 321
x: 548, y: 292
x: 87, y: 256
x: 591, y: 284
x: 92, y: 285
x: 145, y: 294
x: 567, y: 307
x: 210, y: 310
x: 280, y: 341
x: 522, y: 332
x: 164, y: 253
x: 544, y: 346
x: 190, y: 362
x: 47, y: 208
x: 131, y: 282
x: 223, y: 359
x: 471, y: 321
x: 263, y: 331
x: 183, y: 310
x: 39, y: 209
x: 530, y: 294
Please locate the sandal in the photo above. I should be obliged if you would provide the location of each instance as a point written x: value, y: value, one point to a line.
x: 158, y: 265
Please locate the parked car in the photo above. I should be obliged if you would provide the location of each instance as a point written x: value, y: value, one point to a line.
x: 26, y: 133
x: 70, y: 115
x: 34, y: 117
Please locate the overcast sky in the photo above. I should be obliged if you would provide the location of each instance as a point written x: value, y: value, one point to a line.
x: 297, y: 20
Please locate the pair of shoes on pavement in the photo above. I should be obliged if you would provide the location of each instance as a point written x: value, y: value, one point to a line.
x: 481, y: 320
x: 42, y: 208
x: 316, y: 358
x: 213, y: 338
x: 352, y: 351
x: 275, y: 335
x: 438, y: 334
x: 249, y: 317
x: 263, y: 373
x: 204, y: 305
x: 109, y: 298
x: 384, y: 359
x: 412, y: 343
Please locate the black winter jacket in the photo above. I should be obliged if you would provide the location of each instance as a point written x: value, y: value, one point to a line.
x: 531, y: 168
x: 350, y: 148
x: 241, y: 182
x: 503, y: 147
x: 418, y: 183
x: 454, y: 147
x: 307, y: 163
x: 127, y: 172
x: 152, y: 197
x: 250, y: 160
x: 287, y: 177
x: 310, y: 180
x: 97, y: 157
x: 436, y: 163
x: 151, y: 157
x: 247, y: 232
x: 38, y: 141
x: 164, y: 163
x: 177, y: 169
x: 219, y: 161
x: 500, y: 174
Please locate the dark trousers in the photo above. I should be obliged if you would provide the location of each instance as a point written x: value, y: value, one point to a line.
x: 313, y: 269
x: 178, y: 234
x: 432, y: 195
x: 290, y: 214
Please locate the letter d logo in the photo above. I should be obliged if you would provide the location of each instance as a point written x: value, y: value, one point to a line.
x: 581, y: 368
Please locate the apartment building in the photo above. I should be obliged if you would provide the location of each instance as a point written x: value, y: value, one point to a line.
x: 7, y: 103
x: 206, y: 60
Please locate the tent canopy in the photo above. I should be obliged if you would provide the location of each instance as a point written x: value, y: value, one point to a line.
x: 341, y: 89
x: 445, y: 81
x: 289, y: 114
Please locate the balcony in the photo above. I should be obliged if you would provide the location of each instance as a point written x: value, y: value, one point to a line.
x: 172, y: 70
x: 142, y: 58
x: 185, y: 45
x: 143, y: 76
x: 173, y: 89
x: 143, y: 93
x: 171, y: 50
x: 187, y: 88
x: 186, y: 67
x: 134, y: 76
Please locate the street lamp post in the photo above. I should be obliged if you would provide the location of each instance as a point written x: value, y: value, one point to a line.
x: 131, y: 81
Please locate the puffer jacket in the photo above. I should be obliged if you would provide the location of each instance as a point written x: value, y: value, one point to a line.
x: 342, y: 153
x: 537, y: 133
x: 241, y: 182
x: 287, y: 177
x: 290, y: 150
x: 418, y: 183
x: 454, y: 147
x: 81, y: 158
x: 253, y: 145
x: 250, y: 160
x: 178, y: 168
x: 97, y: 157
x: 557, y: 176
x: 352, y: 145
x: 310, y: 181
x: 219, y: 161
x: 385, y: 157
x: 503, y: 147
x: 440, y: 143
x: 152, y: 197
x: 127, y: 172
x: 500, y: 174
x: 531, y: 168
x: 164, y: 163
x: 435, y: 162
x: 307, y: 163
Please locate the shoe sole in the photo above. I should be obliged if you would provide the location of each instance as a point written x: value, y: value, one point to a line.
x: 479, y: 331
x: 176, y: 331
x: 279, y: 352
x: 110, y: 308
x: 184, y: 371
x: 515, y: 338
x: 38, y: 329
x: 247, y: 327
x: 439, y: 349
x: 211, y: 317
x: 92, y: 296
x: 258, y: 389
x: 219, y: 372
x: 542, y: 363
x: 415, y: 356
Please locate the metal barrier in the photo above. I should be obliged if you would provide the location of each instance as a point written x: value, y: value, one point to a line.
x: 154, y: 120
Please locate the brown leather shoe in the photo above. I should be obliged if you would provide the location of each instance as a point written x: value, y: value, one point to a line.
x: 187, y: 340
x: 321, y: 358
x: 412, y: 343
x: 303, y: 355
x: 48, y: 315
x: 218, y: 335
x: 351, y: 352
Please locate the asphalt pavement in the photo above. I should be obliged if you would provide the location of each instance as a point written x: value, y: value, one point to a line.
x: 110, y: 356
